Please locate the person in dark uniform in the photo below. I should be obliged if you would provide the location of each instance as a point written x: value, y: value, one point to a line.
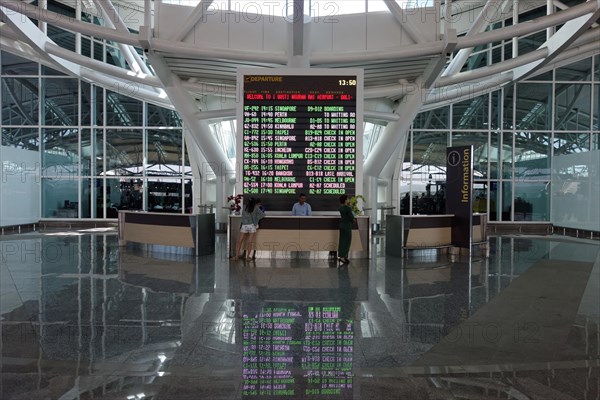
x: 345, y: 230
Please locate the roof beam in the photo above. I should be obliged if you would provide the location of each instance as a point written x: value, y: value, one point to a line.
x: 196, y: 16
x: 478, y: 26
x: 70, y: 24
x: 561, y: 40
x: 528, y: 27
x: 136, y: 62
x: 405, y: 22
x: 491, y: 70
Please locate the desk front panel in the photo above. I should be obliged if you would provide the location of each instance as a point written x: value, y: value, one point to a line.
x: 310, y: 234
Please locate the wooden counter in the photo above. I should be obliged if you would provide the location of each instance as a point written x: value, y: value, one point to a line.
x: 280, y: 235
x: 412, y: 232
x: 194, y: 231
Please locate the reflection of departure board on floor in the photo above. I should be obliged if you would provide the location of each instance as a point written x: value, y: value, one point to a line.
x: 298, y: 353
x: 300, y: 132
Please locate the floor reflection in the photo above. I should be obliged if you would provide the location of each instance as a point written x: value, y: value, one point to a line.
x: 83, y: 318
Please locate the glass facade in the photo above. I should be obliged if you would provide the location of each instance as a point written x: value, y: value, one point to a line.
x: 515, y: 132
x: 99, y: 151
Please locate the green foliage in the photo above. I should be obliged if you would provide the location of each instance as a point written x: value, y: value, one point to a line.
x: 353, y: 203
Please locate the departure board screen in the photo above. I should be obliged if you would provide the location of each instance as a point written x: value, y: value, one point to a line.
x: 300, y: 133
x: 292, y: 352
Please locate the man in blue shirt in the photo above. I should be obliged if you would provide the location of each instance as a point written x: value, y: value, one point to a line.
x: 302, y: 208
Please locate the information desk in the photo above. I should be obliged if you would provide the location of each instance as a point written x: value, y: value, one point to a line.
x: 420, y: 232
x: 279, y: 236
x: 193, y: 231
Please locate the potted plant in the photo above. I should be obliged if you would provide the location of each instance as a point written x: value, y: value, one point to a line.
x: 354, y: 205
x: 235, y: 203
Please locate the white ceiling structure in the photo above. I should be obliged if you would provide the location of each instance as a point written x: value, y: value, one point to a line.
x: 414, y: 57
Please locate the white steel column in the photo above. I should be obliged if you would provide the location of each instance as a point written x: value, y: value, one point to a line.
x: 515, y: 39
x: 394, y: 137
x: 185, y: 104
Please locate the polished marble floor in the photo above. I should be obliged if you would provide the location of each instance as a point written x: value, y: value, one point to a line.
x: 81, y: 318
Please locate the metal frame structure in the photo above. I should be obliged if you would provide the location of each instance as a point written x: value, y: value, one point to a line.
x: 449, y: 69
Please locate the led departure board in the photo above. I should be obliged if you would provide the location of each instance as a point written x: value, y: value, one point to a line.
x: 298, y: 353
x: 300, y: 131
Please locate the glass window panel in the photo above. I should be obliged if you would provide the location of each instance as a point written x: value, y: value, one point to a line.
x: 494, y: 203
x: 60, y: 152
x: 124, y: 152
x: 123, y: 110
x: 508, y: 50
x: 480, y: 196
x: 20, y: 101
x: 433, y: 119
x: 531, y: 42
x: 61, y: 37
x: 471, y: 114
x: 479, y: 140
x: 15, y: 65
x: 51, y: 71
x: 160, y: 116
x: 164, y: 195
x: 91, y: 158
x: 61, y: 97
x: 494, y: 155
x: 60, y: 198
x: 597, y: 67
x: 86, y: 47
x: 98, y: 105
x: 123, y: 194
x: 132, y: 193
x: 86, y: 199
x: 98, y: 49
x: 507, y: 116
x: 22, y: 138
x: 429, y: 159
x: 596, y: 113
x: 188, y: 201
x: 496, y: 111
x: 545, y: 76
x: 532, y: 202
x: 573, y: 103
x: 534, y: 102
x: 86, y: 103
x: 429, y: 148
x: 568, y: 143
x: 532, y: 155
x: 579, y: 71
x: 506, y: 201
x: 595, y: 141
x: 496, y: 55
x: 478, y: 59
x: 164, y: 152
x: 507, y: 150
x: 114, y: 55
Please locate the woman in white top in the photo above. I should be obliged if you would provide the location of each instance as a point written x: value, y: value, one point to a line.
x: 251, y: 215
